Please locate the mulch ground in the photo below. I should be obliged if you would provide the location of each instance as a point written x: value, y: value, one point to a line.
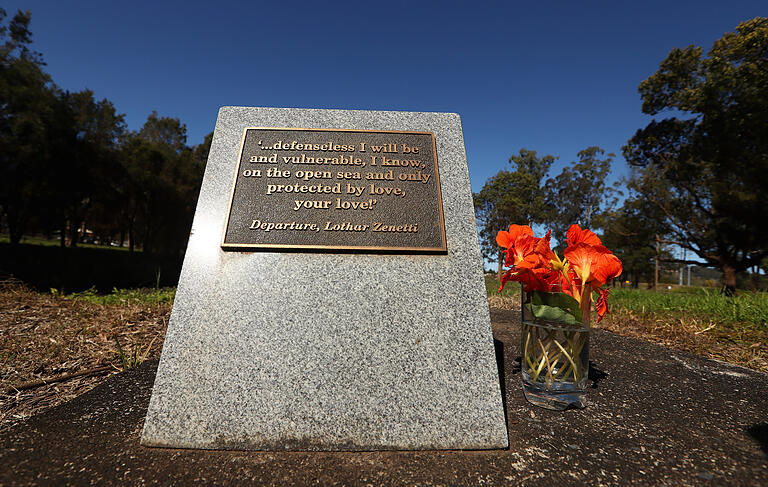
x: 53, y: 349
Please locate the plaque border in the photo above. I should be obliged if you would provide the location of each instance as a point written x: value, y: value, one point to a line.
x: 354, y: 248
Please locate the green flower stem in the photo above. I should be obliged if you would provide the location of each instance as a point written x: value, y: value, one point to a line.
x: 552, y: 358
x: 570, y: 359
x: 549, y: 365
x: 573, y: 368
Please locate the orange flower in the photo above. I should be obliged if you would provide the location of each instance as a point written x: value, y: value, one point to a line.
x: 602, y: 304
x: 576, y: 235
x: 507, y: 239
x: 594, y: 264
x: 548, y: 256
x: 587, y: 265
x: 524, y: 255
x: 538, y: 279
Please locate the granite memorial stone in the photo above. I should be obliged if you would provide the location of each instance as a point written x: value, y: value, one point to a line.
x: 332, y: 295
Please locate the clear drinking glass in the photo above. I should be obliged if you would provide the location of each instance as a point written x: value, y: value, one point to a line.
x: 555, y: 360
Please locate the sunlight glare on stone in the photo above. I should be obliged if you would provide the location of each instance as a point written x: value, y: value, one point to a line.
x: 205, y: 239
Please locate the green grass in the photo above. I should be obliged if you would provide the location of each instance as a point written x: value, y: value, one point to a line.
x: 746, y: 307
x: 4, y: 238
x: 125, y: 296
x: 492, y: 287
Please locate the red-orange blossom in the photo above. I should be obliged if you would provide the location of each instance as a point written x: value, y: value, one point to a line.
x: 532, y: 262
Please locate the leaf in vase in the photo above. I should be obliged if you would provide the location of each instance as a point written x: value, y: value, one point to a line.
x: 555, y: 307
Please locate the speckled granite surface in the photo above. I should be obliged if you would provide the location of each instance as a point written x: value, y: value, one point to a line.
x: 298, y: 351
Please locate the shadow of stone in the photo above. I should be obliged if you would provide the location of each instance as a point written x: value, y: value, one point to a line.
x: 498, y: 347
x: 595, y: 375
x: 759, y: 432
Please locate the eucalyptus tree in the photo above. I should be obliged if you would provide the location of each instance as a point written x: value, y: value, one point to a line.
x: 580, y: 193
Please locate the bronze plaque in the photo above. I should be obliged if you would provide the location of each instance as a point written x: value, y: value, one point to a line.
x: 328, y: 189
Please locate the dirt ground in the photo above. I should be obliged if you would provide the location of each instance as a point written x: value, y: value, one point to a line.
x: 54, y: 348
x: 46, y: 338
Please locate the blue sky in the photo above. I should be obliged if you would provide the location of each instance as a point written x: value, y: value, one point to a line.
x: 555, y: 77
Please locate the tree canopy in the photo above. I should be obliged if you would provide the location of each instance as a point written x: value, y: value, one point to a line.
x: 509, y: 197
x: 580, y: 193
x: 27, y: 99
x: 68, y: 164
x: 711, y: 152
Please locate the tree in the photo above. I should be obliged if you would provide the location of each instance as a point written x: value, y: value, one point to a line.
x: 511, y: 197
x: 27, y: 98
x: 167, y: 132
x: 86, y: 169
x: 495, y: 206
x: 580, y: 193
x: 530, y: 171
x: 637, y: 231
x: 712, y: 153
x: 162, y: 183
x: 201, y: 150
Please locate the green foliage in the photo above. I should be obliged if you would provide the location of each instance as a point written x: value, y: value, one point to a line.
x: 580, y: 194
x: 68, y: 164
x: 558, y: 307
x: 28, y: 106
x: 511, y: 289
x: 47, y: 242
x: 709, y: 304
x: 709, y: 162
x: 131, y: 360
x: 168, y: 133
x: 162, y: 183
x: 511, y: 197
x: 530, y: 170
x: 124, y: 296
x: 630, y: 231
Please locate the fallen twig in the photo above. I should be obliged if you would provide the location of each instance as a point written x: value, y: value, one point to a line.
x: 41, y: 382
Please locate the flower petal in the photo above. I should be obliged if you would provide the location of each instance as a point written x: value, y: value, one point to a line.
x: 504, y: 239
x: 576, y: 235
x: 602, y: 304
x: 594, y: 264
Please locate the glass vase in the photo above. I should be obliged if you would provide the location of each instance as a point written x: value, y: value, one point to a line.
x: 554, y: 358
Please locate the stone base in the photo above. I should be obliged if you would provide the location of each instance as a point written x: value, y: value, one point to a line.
x: 322, y: 351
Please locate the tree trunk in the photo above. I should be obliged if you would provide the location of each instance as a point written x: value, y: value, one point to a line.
x: 130, y: 236
x: 656, y: 265
x: 15, y: 225
x: 74, y: 232
x: 755, y: 279
x: 15, y: 236
x: 501, y: 264
x: 63, y: 236
x: 729, y: 280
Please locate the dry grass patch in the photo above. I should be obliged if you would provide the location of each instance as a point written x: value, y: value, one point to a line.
x: 504, y: 302
x: 734, y: 343
x: 45, y: 338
